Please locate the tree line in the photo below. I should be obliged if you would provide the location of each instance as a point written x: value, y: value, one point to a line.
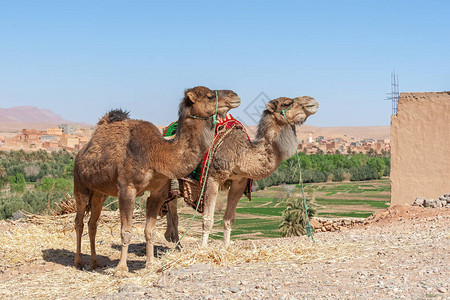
x: 28, y: 179
x: 328, y: 167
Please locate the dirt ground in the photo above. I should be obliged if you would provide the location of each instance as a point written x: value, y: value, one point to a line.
x: 399, y: 253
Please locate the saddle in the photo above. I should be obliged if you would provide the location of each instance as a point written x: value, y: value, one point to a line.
x: 191, y: 186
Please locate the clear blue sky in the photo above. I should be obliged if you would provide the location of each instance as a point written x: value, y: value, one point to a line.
x: 82, y: 58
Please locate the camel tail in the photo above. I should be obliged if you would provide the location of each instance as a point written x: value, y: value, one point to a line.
x: 114, y: 115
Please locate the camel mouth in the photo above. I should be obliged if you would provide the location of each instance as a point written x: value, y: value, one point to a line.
x: 312, y: 108
x: 235, y: 103
x: 231, y: 104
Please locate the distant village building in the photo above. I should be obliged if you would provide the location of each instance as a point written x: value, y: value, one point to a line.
x: 69, y: 142
x: 67, y: 128
x: 51, y: 146
x: 54, y: 131
x: 30, y: 135
x: 47, y: 137
x: 331, y: 146
x: 320, y: 139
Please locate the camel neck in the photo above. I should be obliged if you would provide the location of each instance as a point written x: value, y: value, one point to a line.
x: 192, y: 140
x: 280, y: 137
x: 274, y: 142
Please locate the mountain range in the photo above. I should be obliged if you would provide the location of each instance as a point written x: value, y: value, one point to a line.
x: 30, y: 114
x: 15, y: 118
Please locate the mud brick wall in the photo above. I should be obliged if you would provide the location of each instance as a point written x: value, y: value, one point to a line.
x: 420, y: 147
x: 326, y: 224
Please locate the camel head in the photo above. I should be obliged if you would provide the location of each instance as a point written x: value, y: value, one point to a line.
x: 201, y: 102
x: 296, y: 110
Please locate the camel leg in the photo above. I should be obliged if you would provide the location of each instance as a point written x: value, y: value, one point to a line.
x: 171, y: 233
x: 127, y: 195
x: 96, y: 208
x: 210, y: 204
x: 82, y: 202
x: 235, y: 193
x: 154, y: 203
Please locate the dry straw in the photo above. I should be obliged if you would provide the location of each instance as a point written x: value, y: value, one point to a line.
x: 48, y: 243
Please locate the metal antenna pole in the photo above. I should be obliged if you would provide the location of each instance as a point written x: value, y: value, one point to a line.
x: 395, y: 93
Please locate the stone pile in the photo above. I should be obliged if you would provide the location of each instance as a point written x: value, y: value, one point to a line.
x: 341, y: 224
x: 443, y: 201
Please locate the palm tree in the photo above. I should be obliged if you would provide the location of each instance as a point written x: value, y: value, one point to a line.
x: 2, y: 176
x: 294, y: 222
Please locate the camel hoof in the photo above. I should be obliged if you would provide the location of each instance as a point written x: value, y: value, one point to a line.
x: 121, y: 272
x: 171, y: 237
x: 150, y: 263
x: 95, y: 265
x: 78, y: 264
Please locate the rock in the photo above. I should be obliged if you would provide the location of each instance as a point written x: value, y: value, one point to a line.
x: 17, y: 215
x: 442, y: 290
x: 199, y: 267
x: 315, y: 224
x: 445, y: 197
x: 130, y: 288
x: 419, y: 201
x: 234, y: 289
x: 429, y: 203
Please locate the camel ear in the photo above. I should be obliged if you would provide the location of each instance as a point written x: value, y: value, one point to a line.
x: 191, y: 96
x: 272, y: 106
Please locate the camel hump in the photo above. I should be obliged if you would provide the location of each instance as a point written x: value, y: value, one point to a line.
x: 114, y: 115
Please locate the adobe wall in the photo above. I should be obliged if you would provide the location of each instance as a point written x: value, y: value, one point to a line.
x: 420, y: 147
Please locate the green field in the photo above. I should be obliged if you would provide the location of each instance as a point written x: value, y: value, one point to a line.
x: 261, y: 217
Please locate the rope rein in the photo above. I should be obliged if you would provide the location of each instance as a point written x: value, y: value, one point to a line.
x: 305, y: 206
x: 214, y: 117
x: 309, y: 230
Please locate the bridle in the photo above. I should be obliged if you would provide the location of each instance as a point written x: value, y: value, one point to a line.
x: 283, y: 112
x: 214, y: 116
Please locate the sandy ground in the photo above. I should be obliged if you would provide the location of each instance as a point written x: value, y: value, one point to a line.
x: 400, y: 253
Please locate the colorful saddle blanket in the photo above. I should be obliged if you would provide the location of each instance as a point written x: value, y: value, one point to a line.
x: 191, y: 185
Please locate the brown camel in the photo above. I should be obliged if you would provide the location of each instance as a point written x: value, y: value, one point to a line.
x: 237, y: 159
x: 126, y: 157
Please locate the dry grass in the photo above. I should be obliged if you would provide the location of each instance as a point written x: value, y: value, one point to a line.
x: 36, y: 256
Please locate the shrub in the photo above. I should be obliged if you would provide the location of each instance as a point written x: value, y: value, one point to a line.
x: 33, y: 202
x: 18, y: 183
x: 58, y: 184
x: 294, y: 221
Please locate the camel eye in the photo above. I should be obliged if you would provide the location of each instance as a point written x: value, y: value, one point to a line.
x: 287, y: 103
x: 211, y: 97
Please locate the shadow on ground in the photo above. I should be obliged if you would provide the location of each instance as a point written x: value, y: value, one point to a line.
x: 65, y: 257
x: 139, y: 249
